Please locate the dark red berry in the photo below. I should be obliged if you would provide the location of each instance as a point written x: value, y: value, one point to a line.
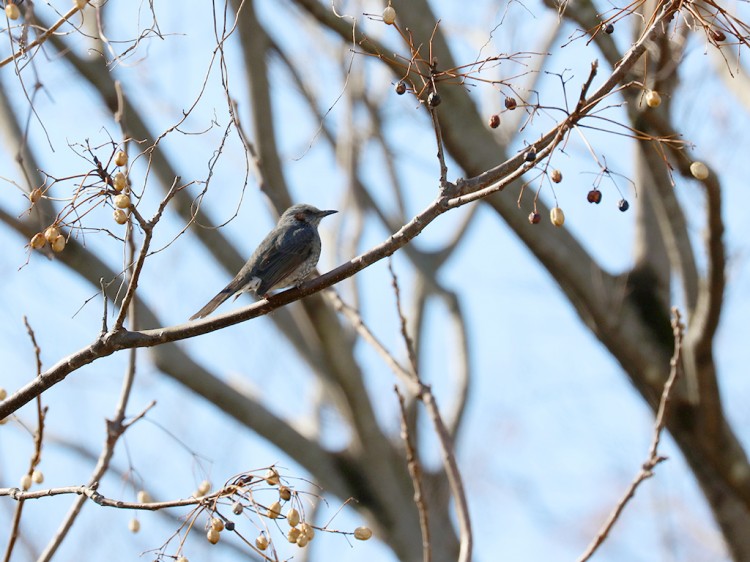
x: 530, y: 155
x: 609, y: 29
x: 400, y: 88
x: 494, y: 121
x: 594, y: 196
x: 229, y: 525
x: 535, y: 218
x: 718, y: 35
x: 510, y: 103
x: 623, y: 205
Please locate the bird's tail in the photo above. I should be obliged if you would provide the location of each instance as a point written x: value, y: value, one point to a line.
x: 214, y: 303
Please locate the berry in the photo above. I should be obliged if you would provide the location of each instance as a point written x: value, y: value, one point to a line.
x: 594, y: 196
x: 609, y: 29
x: 510, y: 103
x: 494, y: 121
x: 535, y: 218
x: 556, y: 216
x: 653, y: 99
x: 530, y: 155
x: 434, y: 99
x: 556, y: 176
x: 12, y: 11
x: 121, y: 158
x: 400, y: 88
x: 623, y: 205
x: 389, y: 15
x: 362, y: 533
x: 699, y: 170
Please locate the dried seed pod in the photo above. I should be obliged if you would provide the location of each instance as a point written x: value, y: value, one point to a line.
x: 699, y: 170
x: 362, y: 533
x: 213, y: 536
x: 292, y: 517
x: 556, y: 216
x: 51, y: 233
x: 274, y: 510
x: 58, y: 244
x: 653, y: 99
x: 272, y: 477
x: 25, y: 482
x: 389, y: 15
x: 494, y: 121
x: 119, y: 181
x: 121, y: 158
x: 122, y: 201
x: 284, y: 493
x: 37, y: 241
x: 12, y: 11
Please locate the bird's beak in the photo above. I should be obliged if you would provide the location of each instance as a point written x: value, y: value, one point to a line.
x: 322, y: 214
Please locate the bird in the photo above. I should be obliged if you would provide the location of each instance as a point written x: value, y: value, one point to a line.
x: 285, y: 257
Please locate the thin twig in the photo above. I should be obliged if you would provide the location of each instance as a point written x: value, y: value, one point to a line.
x: 415, y: 471
x: 654, y: 458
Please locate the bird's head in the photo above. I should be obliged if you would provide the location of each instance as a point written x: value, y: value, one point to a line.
x: 304, y: 213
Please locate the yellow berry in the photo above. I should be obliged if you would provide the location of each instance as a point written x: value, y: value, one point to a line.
x: 653, y: 99
x: 293, y: 534
x: 122, y: 201
x: 217, y: 524
x: 120, y: 216
x: 134, y: 525
x: 37, y: 241
x: 389, y: 15
x: 302, y: 541
x: 37, y: 477
x: 119, y: 181
x: 182, y: 559
x: 3, y: 393
x: 58, y: 244
x: 261, y: 542
x: 12, y: 11
x: 272, y: 477
x: 121, y: 158
x: 144, y: 497
x: 362, y: 533
x: 204, y: 487
x: 557, y: 216
x: 80, y: 4
x: 51, y: 233
x: 25, y: 482
x: 307, y: 530
x: 213, y: 536
x: 274, y: 510
x: 292, y: 517
x: 699, y: 170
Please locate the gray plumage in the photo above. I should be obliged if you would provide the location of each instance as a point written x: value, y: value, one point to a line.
x: 285, y: 257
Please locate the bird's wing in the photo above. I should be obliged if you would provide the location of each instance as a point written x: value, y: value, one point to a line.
x: 285, y: 252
